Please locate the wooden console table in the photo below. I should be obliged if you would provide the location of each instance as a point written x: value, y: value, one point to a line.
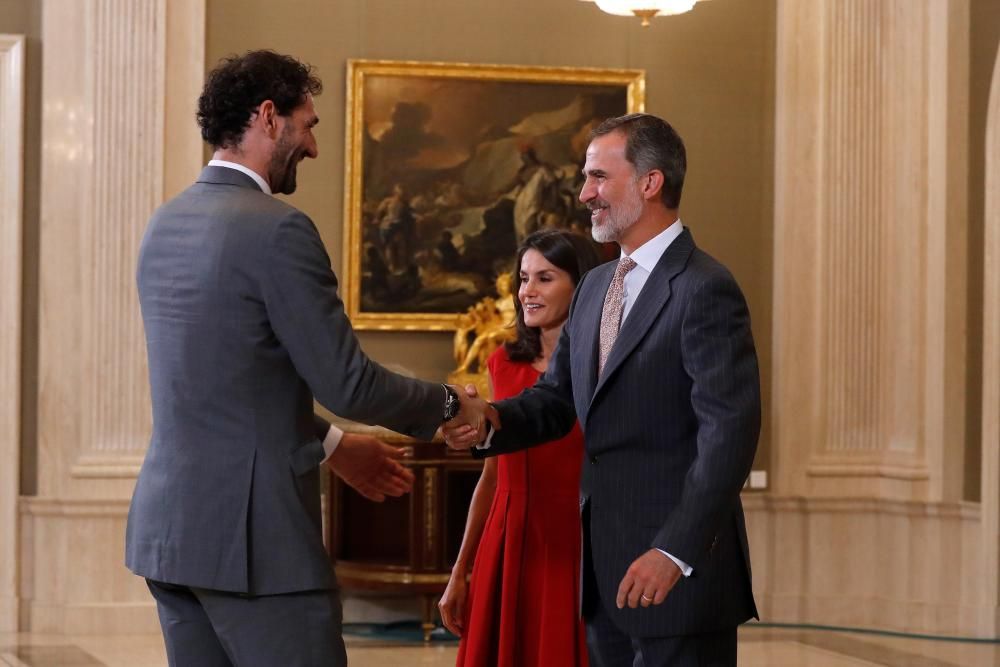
x: 403, y: 545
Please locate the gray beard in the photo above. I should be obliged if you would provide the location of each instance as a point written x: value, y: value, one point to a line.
x: 618, y: 220
x: 604, y: 233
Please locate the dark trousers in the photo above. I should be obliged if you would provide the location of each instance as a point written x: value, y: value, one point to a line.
x: 204, y: 628
x: 609, y: 646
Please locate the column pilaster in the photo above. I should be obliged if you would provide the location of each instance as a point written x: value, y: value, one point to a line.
x: 120, y: 81
x: 870, y: 230
x: 12, y: 85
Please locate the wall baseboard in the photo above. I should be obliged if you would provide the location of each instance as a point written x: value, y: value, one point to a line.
x: 93, y: 618
x: 869, y: 563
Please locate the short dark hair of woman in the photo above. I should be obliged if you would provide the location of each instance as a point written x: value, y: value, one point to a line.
x: 569, y: 251
x: 238, y: 85
x: 651, y: 143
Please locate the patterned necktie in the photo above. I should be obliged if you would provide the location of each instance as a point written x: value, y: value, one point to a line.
x: 611, y: 316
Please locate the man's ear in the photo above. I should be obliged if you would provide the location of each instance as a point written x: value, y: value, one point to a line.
x: 267, y: 115
x: 653, y: 185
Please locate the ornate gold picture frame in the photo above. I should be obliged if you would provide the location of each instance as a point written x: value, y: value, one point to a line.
x: 449, y: 166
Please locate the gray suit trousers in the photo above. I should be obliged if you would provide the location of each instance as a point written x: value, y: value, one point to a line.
x: 204, y: 628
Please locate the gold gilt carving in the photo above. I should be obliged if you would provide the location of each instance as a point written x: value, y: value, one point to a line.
x: 430, y: 514
x: 348, y: 571
x: 481, y: 330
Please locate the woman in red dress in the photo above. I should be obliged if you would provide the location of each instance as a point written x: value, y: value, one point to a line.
x: 521, y: 606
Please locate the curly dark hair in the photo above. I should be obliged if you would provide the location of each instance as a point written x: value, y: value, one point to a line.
x: 651, y: 143
x: 569, y: 251
x: 237, y: 86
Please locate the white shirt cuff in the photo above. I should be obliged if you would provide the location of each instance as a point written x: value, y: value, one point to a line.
x: 331, y: 441
x: 485, y: 444
x: 686, y: 569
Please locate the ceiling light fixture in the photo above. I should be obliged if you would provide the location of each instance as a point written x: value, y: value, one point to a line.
x: 646, y: 9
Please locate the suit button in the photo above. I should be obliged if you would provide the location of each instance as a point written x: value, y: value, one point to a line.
x: 593, y: 460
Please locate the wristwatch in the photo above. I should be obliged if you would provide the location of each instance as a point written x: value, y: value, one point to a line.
x: 451, y: 404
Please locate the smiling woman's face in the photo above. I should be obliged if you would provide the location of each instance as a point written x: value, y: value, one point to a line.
x: 545, y: 291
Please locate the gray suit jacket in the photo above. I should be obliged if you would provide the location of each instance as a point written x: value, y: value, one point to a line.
x: 670, y: 429
x: 243, y: 327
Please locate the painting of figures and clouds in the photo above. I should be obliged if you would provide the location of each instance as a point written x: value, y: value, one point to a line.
x: 451, y: 167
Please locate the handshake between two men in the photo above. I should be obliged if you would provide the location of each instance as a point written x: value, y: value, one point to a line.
x: 372, y: 468
x: 469, y: 427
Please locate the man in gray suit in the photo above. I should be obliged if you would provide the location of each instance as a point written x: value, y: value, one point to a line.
x: 243, y: 327
x: 658, y: 364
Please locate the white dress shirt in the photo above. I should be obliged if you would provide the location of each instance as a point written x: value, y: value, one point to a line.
x: 335, y: 434
x: 645, y: 257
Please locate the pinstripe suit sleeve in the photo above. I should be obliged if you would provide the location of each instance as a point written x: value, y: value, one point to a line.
x: 300, y: 294
x: 718, y: 354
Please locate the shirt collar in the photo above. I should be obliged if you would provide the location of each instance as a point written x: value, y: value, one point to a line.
x: 648, y: 254
x: 258, y: 179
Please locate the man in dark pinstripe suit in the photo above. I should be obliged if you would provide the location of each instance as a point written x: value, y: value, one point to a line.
x: 658, y: 364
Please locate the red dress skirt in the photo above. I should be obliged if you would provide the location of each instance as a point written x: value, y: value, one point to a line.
x: 523, y: 602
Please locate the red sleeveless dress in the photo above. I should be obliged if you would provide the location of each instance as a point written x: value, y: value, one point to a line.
x: 523, y: 602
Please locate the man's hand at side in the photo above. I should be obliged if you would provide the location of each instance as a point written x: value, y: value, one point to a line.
x: 370, y: 467
x: 648, y: 580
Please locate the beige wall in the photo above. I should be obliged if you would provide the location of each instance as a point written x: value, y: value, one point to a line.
x: 710, y: 73
x: 984, y: 40
x: 870, y: 338
x: 86, y: 415
x: 24, y: 17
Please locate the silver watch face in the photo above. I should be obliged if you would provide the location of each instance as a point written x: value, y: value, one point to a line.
x: 451, y: 406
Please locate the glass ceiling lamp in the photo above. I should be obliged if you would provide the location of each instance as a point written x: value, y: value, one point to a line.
x: 646, y: 9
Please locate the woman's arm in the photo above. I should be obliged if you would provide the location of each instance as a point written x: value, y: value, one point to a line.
x: 452, y: 604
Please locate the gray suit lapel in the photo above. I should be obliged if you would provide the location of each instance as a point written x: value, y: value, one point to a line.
x: 654, y: 296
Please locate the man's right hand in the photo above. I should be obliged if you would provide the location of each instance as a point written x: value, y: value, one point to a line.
x: 370, y: 466
x: 468, y: 428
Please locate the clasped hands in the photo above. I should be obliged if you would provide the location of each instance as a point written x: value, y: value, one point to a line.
x: 468, y: 428
x: 372, y: 468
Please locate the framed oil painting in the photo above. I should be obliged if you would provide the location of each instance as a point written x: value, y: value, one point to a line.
x: 449, y: 167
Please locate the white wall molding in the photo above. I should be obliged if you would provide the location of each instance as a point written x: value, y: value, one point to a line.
x: 991, y: 357
x: 865, y: 562
x: 870, y: 245
x: 120, y: 81
x: 12, y: 86
x: 122, y: 466
x: 93, y: 592
x: 37, y: 506
x: 124, y: 185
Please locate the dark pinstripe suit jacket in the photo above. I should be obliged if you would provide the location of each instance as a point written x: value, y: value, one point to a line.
x: 243, y: 326
x: 671, y: 429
